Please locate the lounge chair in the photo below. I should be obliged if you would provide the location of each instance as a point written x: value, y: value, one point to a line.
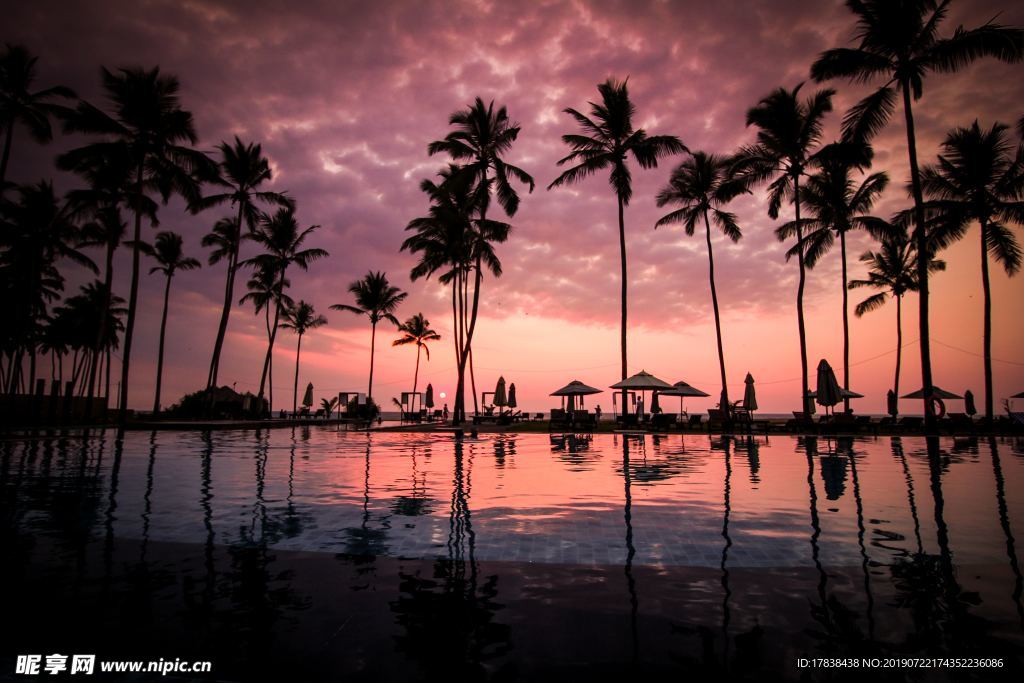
x: 801, y: 422
x: 716, y: 419
x: 538, y: 416
x: 959, y: 423
x: 910, y: 424
x: 663, y: 421
x: 696, y: 422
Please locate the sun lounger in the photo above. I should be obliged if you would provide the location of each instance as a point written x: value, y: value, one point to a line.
x: 801, y: 422
x: 663, y: 421
x: 696, y: 422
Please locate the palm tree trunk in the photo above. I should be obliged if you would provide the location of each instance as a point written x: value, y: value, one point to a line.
x: 987, y: 289
x: 373, y: 346
x: 622, y: 256
x: 714, y: 306
x: 899, y: 347
x: 467, y: 352
x: 846, y: 324
x: 472, y: 383
x: 416, y: 374
x: 133, y: 298
x: 923, y: 257
x: 455, y: 322
x: 270, y: 346
x: 229, y: 293
x: 101, y: 333
x: 295, y: 388
x: 804, y: 386
x: 160, y: 352
x: 8, y: 135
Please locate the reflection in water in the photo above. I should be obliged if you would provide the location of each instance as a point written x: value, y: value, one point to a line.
x: 627, y: 515
x: 846, y: 446
x: 1004, y: 522
x: 365, y: 541
x: 726, y: 592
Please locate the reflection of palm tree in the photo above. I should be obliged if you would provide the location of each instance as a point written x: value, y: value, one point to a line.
x: 704, y: 184
x: 301, y: 318
x: 726, y: 591
x: 899, y: 42
x: 243, y: 168
x: 147, y: 509
x: 788, y: 129
x: 861, y: 531
x: 893, y: 270
x: 167, y: 251
x: 1004, y: 522
x: 979, y: 177
x: 608, y: 139
x: 416, y: 330
x: 19, y: 104
x: 153, y: 130
x: 838, y: 205
x: 897, y: 449
x: 378, y: 300
x: 627, y: 515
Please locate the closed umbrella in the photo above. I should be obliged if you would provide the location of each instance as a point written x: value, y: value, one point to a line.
x: 307, y: 398
x: 828, y: 392
x: 655, y: 406
x: 749, y: 395
x: 512, y: 403
x: 969, y: 406
x: 892, y: 403
x: 500, y: 398
x: 429, y: 400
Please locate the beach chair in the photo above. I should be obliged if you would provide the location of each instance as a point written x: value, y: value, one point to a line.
x: 801, y: 423
x: 662, y: 422
x: 959, y: 423
x: 910, y: 424
x: 695, y: 423
x: 539, y: 416
x: 716, y: 419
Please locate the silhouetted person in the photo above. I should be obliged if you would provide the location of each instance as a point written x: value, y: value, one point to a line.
x: 597, y: 412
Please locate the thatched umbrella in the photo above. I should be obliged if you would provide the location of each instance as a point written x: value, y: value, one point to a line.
x: 641, y: 381
x: 683, y: 390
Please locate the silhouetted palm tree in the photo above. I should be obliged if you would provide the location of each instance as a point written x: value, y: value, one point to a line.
x: 152, y: 130
x: 788, y: 131
x: 608, y: 139
x: 898, y: 41
x: 979, y: 178
x: 451, y: 241
x: 76, y: 322
x: 837, y: 204
x: 378, y: 300
x: 243, y: 168
x: 170, y: 258
x: 416, y: 330
x: 704, y: 184
x: 893, y: 270
x: 266, y: 292
x: 38, y: 230
x: 19, y: 104
x: 301, y: 318
x: 480, y: 139
x: 282, y: 241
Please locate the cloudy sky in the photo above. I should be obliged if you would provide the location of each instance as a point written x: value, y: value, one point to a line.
x: 345, y: 96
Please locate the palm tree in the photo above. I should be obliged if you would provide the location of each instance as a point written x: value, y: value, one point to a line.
x: 608, y: 139
x: 788, y: 130
x: 19, y: 104
x: 893, y: 270
x: 282, y: 241
x: 378, y: 300
x: 148, y: 127
x: 837, y: 204
x: 170, y: 258
x: 979, y: 178
x: 300, y: 319
x: 243, y: 168
x: 480, y: 139
x: 416, y: 330
x: 450, y: 240
x: 76, y: 321
x: 266, y: 291
x: 898, y: 41
x: 702, y: 185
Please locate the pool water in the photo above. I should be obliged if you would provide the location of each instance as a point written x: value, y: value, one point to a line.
x: 316, y: 554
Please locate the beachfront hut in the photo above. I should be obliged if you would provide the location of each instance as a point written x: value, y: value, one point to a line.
x: 828, y: 392
x: 683, y: 391
x: 641, y: 381
x: 749, y: 395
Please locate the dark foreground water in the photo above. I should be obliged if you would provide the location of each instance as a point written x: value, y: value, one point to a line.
x: 321, y: 555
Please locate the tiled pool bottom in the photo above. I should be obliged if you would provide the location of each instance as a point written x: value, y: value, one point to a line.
x: 318, y: 555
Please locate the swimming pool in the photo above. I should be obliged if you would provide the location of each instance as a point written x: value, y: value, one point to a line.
x: 309, y: 553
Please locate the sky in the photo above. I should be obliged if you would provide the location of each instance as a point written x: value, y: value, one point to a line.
x: 345, y: 97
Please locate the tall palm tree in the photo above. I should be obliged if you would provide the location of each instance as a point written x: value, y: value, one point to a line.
x: 702, y: 185
x: 149, y: 127
x: 979, y: 178
x: 898, y: 41
x: 300, y: 318
x: 267, y: 292
x: 451, y: 241
x: 480, y: 139
x: 170, y: 257
x: 378, y: 300
x: 19, y: 104
x: 282, y: 241
x: 837, y: 204
x: 607, y: 141
x: 243, y: 168
x: 788, y: 131
x: 892, y: 270
x: 416, y: 330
